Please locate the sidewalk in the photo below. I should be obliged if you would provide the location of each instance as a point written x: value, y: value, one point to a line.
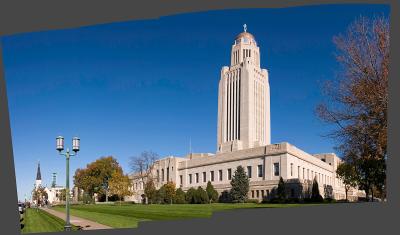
x: 83, y: 223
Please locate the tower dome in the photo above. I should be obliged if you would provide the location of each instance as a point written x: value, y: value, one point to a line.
x: 245, y: 37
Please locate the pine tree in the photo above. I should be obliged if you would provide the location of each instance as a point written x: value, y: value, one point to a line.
x: 240, y: 185
x: 180, y: 196
x: 211, y: 192
x: 315, y: 195
x: 281, y: 190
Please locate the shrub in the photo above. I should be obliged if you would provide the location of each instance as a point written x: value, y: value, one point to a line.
x: 201, y: 196
x: 225, y: 197
x: 251, y: 201
x: 211, y: 192
x: 190, y: 195
x: 180, y: 196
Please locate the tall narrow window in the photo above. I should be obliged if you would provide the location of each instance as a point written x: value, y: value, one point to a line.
x: 298, y: 172
x: 249, y: 171
x: 158, y: 175
x: 162, y: 174
x: 220, y: 175
x: 212, y: 176
x: 167, y: 173
x: 291, y: 169
x: 260, y: 170
x: 190, y: 178
x: 229, y: 174
x: 276, y: 169
x: 180, y: 179
x: 197, y: 177
x: 204, y: 177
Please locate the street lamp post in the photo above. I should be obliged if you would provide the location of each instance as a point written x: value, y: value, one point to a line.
x: 67, y: 154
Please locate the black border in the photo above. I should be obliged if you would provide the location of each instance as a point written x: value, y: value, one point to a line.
x: 18, y: 16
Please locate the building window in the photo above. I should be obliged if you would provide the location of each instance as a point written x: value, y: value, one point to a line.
x: 262, y: 193
x: 291, y: 169
x: 181, y: 179
x: 190, y: 178
x: 204, y: 177
x: 252, y: 193
x: 167, y: 173
x: 197, y: 177
x: 162, y: 174
x: 260, y: 171
x: 258, y: 193
x: 220, y: 175
x: 304, y: 174
x: 298, y: 172
x: 229, y: 174
x: 249, y: 171
x: 158, y: 175
x: 276, y: 169
x: 212, y: 176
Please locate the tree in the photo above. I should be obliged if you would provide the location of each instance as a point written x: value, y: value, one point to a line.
x: 95, y: 177
x: 38, y: 194
x: 240, y: 185
x: 143, y: 164
x: 63, y: 195
x: 120, y: 185
x: 347, y: 174
x: 180, y: 196
x: 211, y: 192
x: 191, y: 195
x: 315, y: 195
x: 357, y: 101
x: 225, y: 197
x: 169, y: 192
x: 281, y: 192
x: 150, y: 190
x: 201, y: 196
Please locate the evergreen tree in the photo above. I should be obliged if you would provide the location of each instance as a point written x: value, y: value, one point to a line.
x: 180, y: 196
x: 240, y: 185
x: 281, y: 192
x: 190, y: 195
x: 315, y: 195
x: 211, y: 192
x: 150, y: 190
x: 201, y: 196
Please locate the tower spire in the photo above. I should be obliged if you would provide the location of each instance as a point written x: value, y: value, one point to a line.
x: 38, y: 174
x: 245, y: 27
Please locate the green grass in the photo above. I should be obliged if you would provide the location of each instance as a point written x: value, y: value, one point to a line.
x: 41, y: 221
x: 128, y: 216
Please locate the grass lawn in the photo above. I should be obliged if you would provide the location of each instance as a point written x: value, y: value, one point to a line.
x: 41, y: 221
x: 128, y: 216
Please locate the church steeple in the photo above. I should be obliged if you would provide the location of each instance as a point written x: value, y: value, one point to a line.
x: 38, y: 177
x: 38, y: 174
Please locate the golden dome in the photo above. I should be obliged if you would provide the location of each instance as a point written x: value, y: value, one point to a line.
x: 245, y: 35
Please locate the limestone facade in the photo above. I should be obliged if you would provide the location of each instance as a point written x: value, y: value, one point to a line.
x: 243, y: 138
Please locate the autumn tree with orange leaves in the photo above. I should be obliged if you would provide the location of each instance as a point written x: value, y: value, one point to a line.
x: 356, y: 102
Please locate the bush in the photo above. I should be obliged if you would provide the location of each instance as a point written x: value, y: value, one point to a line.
x: 211, y: 192
x: 329, y: 200
x: 180, y: 196
x: 225, y: 197
x: 201, y: 196
x: 251, y: 201
x: 190, y: 195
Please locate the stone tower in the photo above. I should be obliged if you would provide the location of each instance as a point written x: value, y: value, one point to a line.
x: 243, y: 98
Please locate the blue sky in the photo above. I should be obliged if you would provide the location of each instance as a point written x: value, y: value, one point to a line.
x: 153, y: 84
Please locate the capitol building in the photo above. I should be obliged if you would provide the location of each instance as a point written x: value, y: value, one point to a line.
x: 244, y: 138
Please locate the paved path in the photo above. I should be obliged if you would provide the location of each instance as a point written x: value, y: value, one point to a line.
x: 77, y: 221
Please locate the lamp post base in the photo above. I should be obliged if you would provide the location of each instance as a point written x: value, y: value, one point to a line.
x: 67, y: 228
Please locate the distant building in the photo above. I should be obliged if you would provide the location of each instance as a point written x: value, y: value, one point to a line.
x: 244, y: 138
x: 54, y: 192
